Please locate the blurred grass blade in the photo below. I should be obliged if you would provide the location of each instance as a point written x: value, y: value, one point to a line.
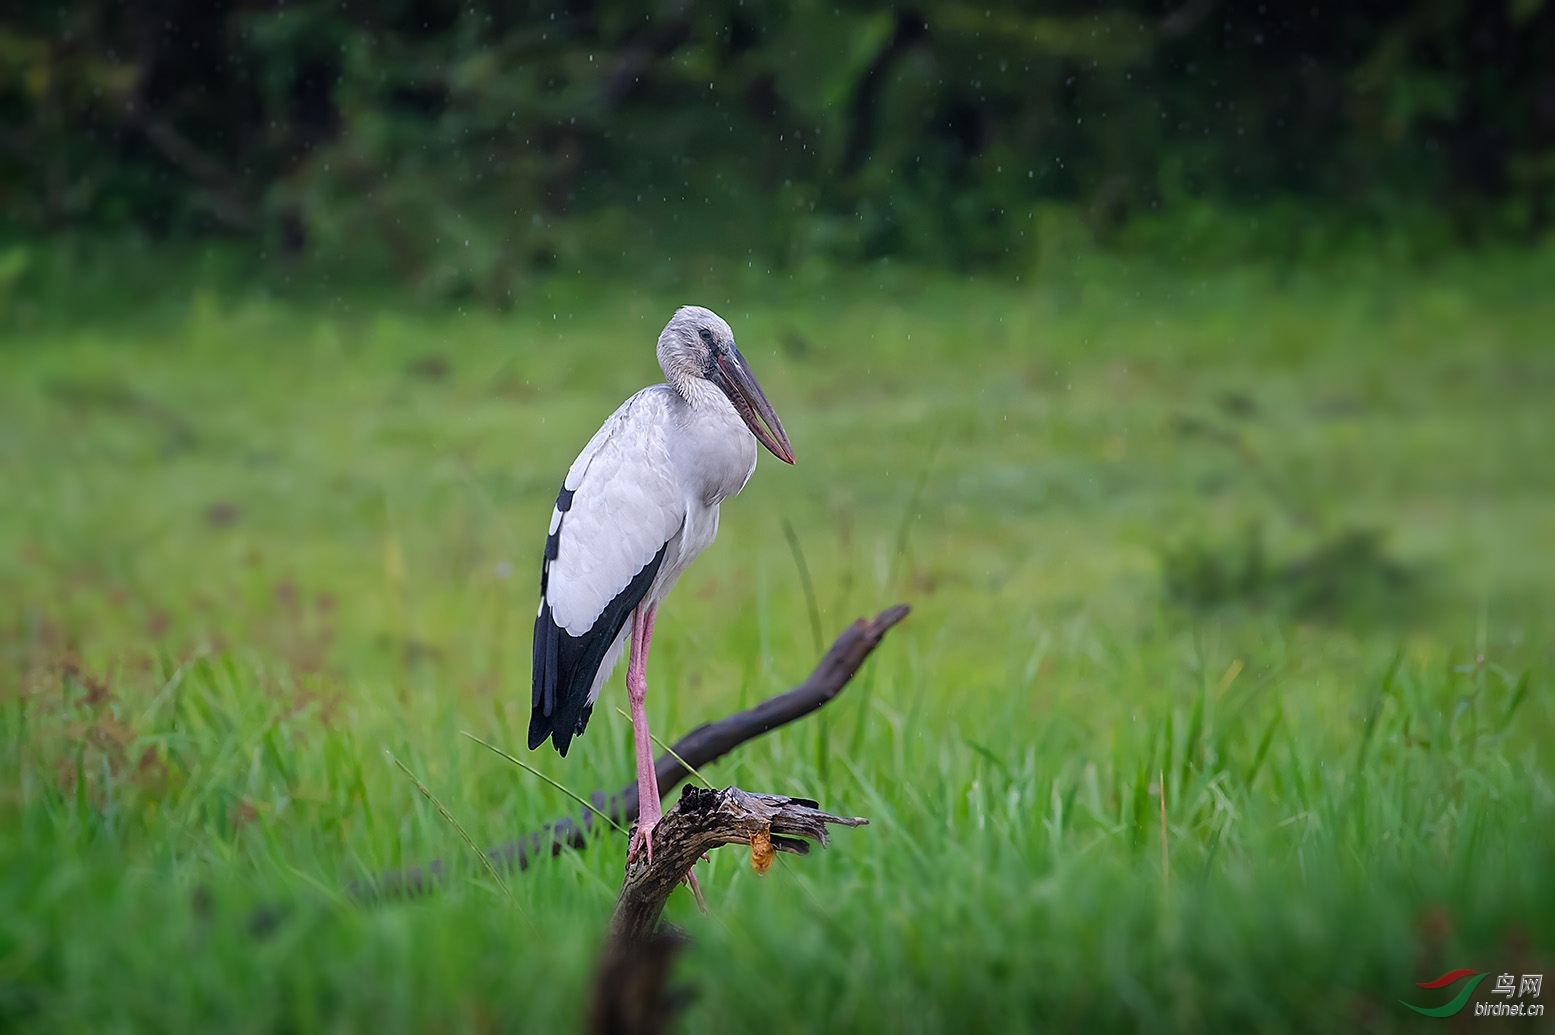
x: 480, y: 852
x: 532, y: 771
x: 817, y: 638
x: 671, y: 752
x: 817, y: 641
x: 1263, y: 748
x: 1519, y: 695
x: 910, y: 511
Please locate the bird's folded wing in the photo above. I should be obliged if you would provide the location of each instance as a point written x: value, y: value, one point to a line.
x: 623, y: 505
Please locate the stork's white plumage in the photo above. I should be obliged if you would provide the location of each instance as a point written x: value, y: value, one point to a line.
x: 637, y: 507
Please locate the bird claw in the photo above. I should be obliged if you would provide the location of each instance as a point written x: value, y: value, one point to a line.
x: 642, y: 845
x: 696, y: 891
x: 642, y: 842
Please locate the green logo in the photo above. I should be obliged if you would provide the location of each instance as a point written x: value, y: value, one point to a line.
x: 1459, y: 1001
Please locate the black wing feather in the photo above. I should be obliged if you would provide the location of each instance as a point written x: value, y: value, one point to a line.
x: 565, y: 665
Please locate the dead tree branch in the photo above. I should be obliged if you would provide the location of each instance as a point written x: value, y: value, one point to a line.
x: 701, y: 746
x: 704, y: 820
x: 630, y: 986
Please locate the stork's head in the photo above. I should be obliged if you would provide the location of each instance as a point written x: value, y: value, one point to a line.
x: 697, y: 345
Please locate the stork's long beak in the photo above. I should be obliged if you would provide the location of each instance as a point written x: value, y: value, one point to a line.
x: 740, y: 385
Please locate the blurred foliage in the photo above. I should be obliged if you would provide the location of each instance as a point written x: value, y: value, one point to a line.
x: 1318, y: 569
x: 1347, y: 576
x: 459, y: 146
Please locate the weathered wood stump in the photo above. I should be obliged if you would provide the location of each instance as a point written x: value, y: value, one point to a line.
x: 630, y: 988
x: 704, y: 820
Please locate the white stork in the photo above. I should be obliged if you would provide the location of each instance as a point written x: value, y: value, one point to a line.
x: 638, y: 505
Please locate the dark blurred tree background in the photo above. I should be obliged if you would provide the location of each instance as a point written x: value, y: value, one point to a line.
x: 461, y: 146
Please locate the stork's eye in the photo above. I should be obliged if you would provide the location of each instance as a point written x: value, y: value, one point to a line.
x: 706, y: 335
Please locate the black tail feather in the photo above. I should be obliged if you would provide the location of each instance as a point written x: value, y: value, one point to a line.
x: 565, y: 665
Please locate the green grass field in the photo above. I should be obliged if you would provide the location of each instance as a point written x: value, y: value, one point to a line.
x: 1284, y: 537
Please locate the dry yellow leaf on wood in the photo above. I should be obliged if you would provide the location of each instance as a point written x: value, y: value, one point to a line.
x: 762, y: 850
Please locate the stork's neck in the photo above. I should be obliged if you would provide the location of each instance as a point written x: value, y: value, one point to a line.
x: 679, y: 380
x: 701, y: 394
x: 713, y: 451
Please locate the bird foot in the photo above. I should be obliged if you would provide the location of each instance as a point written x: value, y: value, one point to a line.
x: 696, y: 891
x: 642, y: 841
x: 642, y: 845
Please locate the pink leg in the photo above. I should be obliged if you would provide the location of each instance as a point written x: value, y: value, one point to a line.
x: 649, y: 811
